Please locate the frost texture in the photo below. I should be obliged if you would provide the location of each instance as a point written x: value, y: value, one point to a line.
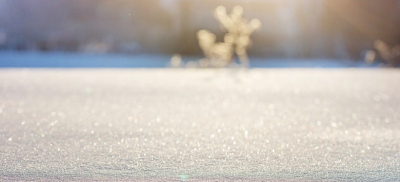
x: 310, y: 124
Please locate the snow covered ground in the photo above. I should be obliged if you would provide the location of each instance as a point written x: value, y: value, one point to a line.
x: 191, y: 124
x: 79, y: 60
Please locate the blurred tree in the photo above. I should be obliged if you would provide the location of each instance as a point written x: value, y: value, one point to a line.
x: 364, y: 22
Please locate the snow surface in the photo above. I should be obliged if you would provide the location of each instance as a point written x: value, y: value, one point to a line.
x: 15, y: 59
x: 190, y: 124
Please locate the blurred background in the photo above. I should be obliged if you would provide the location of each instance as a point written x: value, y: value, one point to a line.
x: 291, y: 29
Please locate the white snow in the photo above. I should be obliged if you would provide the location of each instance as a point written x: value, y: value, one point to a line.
x: 188, y: 124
